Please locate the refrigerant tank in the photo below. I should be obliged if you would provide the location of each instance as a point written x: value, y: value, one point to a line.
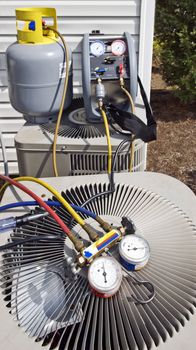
x: 36, y: 67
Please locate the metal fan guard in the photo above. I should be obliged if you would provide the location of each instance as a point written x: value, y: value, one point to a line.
x: 67, y: 315
x: 74, y: 124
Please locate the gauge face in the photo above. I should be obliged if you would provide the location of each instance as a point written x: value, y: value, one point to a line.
x: 105, y: 275
x: 97, y: 48
x: 134, y: 248
x: 118, y: 47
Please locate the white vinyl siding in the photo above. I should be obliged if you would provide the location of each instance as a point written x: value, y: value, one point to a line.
x: 74, y: 19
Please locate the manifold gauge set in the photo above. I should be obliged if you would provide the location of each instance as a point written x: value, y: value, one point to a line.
x: 105, y: 272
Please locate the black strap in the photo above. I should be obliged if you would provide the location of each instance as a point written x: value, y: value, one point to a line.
x: 130, y: 122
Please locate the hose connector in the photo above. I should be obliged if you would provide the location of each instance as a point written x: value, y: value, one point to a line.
x: 122, y: 84
x: 107, y: 227
x: 91, y: 232
x: 78, y: 244
x: 100, y: 103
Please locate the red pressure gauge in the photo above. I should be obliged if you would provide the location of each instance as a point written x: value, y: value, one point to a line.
x: 118, y: 47
x: 105, y: 276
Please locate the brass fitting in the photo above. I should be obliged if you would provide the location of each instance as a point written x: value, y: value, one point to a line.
x: 81, y: 261
x: 78, y: 244
x: 91, y: 232
x: 121, y: 82
x: 99, y: 80
x: 107, y: 227
x: 100, y: 103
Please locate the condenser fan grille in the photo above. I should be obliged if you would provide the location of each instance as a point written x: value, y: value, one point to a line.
x: 74, y: 124
x: 72, y: 131
x: 63, y: 313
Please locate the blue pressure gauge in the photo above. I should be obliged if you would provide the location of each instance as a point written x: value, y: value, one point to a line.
x: 97, y: 48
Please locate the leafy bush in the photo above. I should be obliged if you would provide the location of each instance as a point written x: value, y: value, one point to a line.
x: 175, y: 36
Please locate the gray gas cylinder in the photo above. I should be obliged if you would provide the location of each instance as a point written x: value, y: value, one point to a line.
x: 36, y: 66
x: 36, y: 75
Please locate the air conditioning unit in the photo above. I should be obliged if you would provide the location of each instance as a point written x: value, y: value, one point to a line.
x: 81, y: 147
x: 62, y: 313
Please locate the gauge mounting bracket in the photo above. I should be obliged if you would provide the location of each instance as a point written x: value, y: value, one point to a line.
x: 92, y: 66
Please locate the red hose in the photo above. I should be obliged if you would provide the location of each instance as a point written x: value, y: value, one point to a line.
x: 41, y: 203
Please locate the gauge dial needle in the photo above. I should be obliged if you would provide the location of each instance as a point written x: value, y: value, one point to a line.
x: 136, y: 248
x: 104, y: 273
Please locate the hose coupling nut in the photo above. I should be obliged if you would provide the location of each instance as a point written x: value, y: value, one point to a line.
x: 91, y: 232
x: 121, y: 82
x: 100, y: 103
x: 79, y: 245
x: 107, y: 227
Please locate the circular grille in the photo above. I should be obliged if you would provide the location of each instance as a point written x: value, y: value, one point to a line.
x: 63, y: 313
x: 74, y: 124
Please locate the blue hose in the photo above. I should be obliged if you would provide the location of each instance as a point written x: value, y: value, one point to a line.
x: 50, y: 203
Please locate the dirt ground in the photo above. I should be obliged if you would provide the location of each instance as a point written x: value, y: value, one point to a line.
x: 174, y: 152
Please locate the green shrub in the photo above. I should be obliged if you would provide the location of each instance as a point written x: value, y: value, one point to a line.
x: 175, y: 35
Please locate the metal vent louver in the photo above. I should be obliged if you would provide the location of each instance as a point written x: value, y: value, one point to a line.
x: 96, y: 163
x: 74, y: 124
x: 63, y: 313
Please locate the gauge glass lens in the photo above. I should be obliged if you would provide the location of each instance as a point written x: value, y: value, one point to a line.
x: 105, y: 275
x: 135, y: 247
x: 97, y: 48
x: 118, y: 47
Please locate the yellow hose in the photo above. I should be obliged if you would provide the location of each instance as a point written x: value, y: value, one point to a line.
x: 108, y: 139
x: 130, y: 98
x: 51, y: 189
x: 62, y: 102
x: 133, y: 111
